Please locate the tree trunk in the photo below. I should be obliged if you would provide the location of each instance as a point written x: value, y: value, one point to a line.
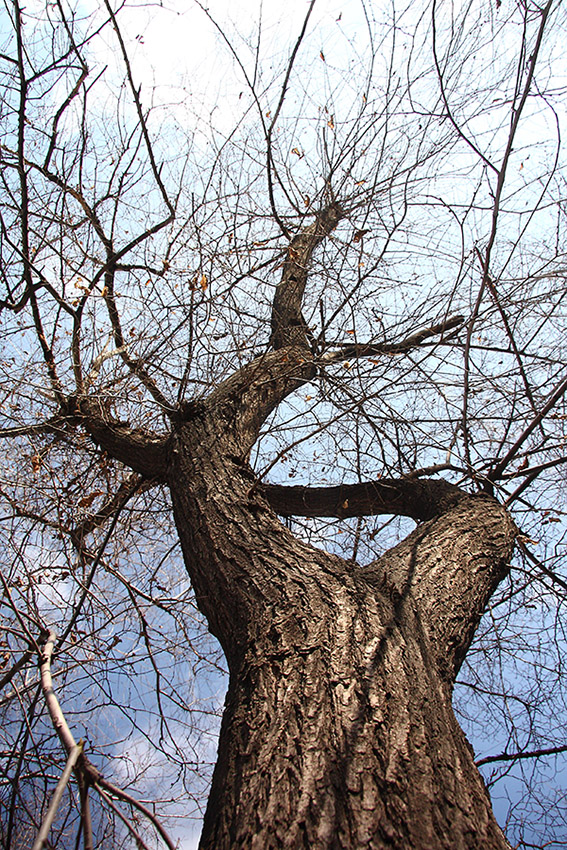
x: 338, y: 730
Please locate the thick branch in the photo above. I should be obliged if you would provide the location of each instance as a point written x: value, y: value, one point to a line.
x: 143, y: 451
x: 246, y: 399
x: 418, y: 499
x: 288, y: 324
x: 448, y: 568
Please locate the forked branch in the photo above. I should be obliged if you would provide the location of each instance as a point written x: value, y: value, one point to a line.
x: 87, y: 773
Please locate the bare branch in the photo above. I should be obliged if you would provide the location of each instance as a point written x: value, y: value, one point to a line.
x: 43, y: 833
x: 419, y: 499
x: 103, y: 784
x: 374, y: 349
x: 288, y: 325
x: 523, y: 754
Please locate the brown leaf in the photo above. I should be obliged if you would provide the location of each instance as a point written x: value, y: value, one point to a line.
x: 87, y: 501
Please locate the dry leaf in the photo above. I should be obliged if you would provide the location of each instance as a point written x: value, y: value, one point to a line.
x: 87, y: 501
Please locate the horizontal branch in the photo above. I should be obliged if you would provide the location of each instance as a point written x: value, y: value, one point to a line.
x: 415, y: 498
x: 141, y: 450
x: 56, y: 425
x: 526, y: 754
x: 368, y: 349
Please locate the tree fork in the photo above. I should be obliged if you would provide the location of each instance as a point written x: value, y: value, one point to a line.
x: 338, y: 728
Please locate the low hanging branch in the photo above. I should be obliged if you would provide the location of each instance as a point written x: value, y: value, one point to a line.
x: 87, y: 774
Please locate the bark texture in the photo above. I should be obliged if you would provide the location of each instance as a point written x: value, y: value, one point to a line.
x: 338, y: 729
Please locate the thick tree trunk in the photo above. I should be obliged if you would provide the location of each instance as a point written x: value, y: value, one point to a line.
x: 338, y: 730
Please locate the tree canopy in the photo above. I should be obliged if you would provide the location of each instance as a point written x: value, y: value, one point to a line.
x: 338, y: 232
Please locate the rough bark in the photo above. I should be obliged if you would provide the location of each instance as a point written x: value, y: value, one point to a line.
x: 338, y: 729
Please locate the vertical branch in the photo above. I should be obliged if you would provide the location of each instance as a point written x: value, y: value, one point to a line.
x: 24, y: 210
x: 57, y: 795
x: 514, y: 123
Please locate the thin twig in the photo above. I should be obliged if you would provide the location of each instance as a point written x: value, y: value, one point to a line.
x: 102, y: 783
x: 57, y: 795
x: 141, y: 844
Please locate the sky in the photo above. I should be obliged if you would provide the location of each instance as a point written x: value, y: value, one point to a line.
x: 181, y: 66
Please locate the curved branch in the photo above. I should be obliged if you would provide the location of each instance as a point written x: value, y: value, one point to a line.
x: 447, y: 569
x: 288, y: 325
x: 127, y: 798
x: 141, y: 450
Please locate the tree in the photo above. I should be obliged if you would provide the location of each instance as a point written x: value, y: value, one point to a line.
x: 361, y: 277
